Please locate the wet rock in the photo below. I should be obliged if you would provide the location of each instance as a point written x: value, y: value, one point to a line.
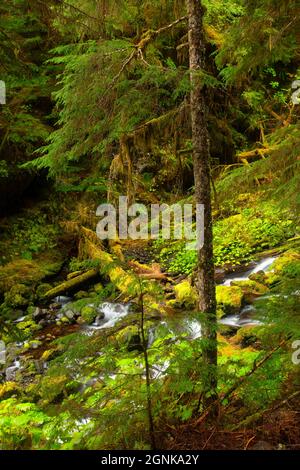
x: 89, y: 314
x: 70, y: 314
x: 99, y: 318
x: 54, y: 306
x: 81, y: 295
x: 251, y: 289
x: 39, y: 314
x: 11, y: 372
x: 18, y: 296
x: 229, y: 300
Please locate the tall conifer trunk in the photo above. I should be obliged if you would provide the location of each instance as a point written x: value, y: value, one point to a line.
x: 201, y: 159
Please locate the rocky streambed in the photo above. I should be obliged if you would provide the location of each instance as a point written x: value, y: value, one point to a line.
x: 30, y: 353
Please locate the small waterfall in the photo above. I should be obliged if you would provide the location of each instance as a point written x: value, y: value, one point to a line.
x: 112, y: 313
x: 263, y: 265
x: 62, y: 300
x: 244, y: 318
x: 193, y: 327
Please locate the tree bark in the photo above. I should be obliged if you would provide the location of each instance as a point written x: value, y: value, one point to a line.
x: 201, y: 160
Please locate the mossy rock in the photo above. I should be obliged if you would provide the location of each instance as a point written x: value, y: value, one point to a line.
x: 259, y: 277
x: 286, y: 266
x: 229, y: 300
x: 18, y: 296
x: 186, y: 295
x: 51, y: 354
x: 98, y: 288
x: 251, y: 289
x: 130, y: 336
x: 9, y: 389
x: 42, y: 289
x: 89, y: 314
x: 79, y: 304
x: 28, y: 272
x: 227, y: 331
x: 82, y: 294
x: 53, y: 388
x: 34, y: 344
x: 28, y: 328
x: 247, y: 336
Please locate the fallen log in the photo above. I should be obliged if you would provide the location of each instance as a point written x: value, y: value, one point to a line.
x: 258, y: 152
x: 71, y: 283
x: 127, y: 283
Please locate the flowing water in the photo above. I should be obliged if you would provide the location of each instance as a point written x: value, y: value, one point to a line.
x: 245, y: 317
x: 113, y: 312
x: 263, y: 265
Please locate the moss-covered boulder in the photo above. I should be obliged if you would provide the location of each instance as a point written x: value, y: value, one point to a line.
x: 98, y: 288
x: 251, y: 289
x: 28, y: 272
x: 247, y: 336
x: 82, y: 294
x: 89, y: 313
x: 41, y: 290
x: 51, y: 354
x: 18, y: 296
x: 260, y: 277
x: 185, y: 294
x: 229, y: 300
x: 28, y: 328
x: 285, y: 266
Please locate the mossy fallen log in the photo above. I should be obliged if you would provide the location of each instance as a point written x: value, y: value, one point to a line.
x: 71, y: 283
x: 127, y: 283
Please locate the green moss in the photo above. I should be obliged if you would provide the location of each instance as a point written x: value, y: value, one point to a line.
x: 28, y: 328
x: 81, y: 295
x: 42, y: 289
x: 229, y: 299
x: 247, y: 336
x: 98, y: 288
x: 18, y: 296
x: 251, y: 289
x: 88, y: 314
x: 186, y: 295
x: 29, y: 272
x: 285, y: 266
x: 9, y: 389
x: 50, y: 354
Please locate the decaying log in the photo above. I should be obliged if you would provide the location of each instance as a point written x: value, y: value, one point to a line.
x: 71, y: 283
x: 258, y: 152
